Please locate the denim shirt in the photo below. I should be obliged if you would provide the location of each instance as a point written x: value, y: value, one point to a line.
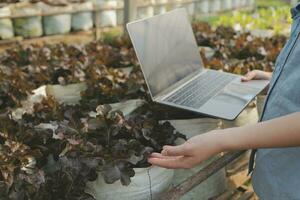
x: 276, y: 175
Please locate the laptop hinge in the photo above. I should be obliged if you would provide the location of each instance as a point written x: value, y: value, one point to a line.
x: 170, y: 90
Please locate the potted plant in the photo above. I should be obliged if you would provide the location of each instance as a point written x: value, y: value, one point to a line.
x: 67, y: 135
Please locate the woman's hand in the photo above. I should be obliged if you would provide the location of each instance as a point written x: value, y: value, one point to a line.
x: 257, y: 75
x: 189, y: 154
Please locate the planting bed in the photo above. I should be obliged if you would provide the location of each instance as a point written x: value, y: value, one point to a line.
x: 53, y: 149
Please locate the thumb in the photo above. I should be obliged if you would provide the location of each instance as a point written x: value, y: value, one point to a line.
x: 180, y: 150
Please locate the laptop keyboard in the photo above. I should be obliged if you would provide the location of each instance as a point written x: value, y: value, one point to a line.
x: 197, y: 92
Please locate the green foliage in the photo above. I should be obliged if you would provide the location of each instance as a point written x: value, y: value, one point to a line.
x: 277, y: 19
x: 271, y: 3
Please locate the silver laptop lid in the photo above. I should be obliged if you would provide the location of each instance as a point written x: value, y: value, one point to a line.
x: 166, y: 49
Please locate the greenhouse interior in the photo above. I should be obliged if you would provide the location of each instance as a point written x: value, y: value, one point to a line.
x: 99, y: 99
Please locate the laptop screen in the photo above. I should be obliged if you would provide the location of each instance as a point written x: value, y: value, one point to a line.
x: 166, y: 48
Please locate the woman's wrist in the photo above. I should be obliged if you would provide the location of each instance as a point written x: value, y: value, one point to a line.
x: 221, y: 140
x: 262, y: 75
x: 228, y: 139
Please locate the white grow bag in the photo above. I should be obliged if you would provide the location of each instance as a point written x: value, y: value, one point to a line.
x: 107, y: 17
x: 203, y: 6
x: 190, y: 8
x: 236, y: 4
x: 244, y: 3
x: 6, y: 26
x: 144, y: 12
x: 56, y: 24
x: 176, y: 3
x: 227, y: 4
x: 215, y: 6
x: 82, y: 20
x: 161, y: 9
x: 139, y: 188
x: 120, y: 13
x: 27, y: 27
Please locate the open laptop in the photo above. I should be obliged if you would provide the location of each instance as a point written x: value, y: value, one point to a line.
x: 168, y: 53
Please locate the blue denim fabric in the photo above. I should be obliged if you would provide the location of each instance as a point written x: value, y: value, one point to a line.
x: 276, y: 175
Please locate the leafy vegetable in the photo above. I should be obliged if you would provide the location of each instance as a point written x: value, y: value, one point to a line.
x: 55, y: 149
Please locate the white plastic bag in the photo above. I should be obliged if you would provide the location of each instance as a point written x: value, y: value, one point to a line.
x: 56, y: 24
x: 6, y: 26
x: 82, y: 20
x: 107, y: 17
x: 139, y: 188
x: 27, y: 27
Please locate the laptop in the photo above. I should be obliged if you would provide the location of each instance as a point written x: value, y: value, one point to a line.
x: 174, y: 72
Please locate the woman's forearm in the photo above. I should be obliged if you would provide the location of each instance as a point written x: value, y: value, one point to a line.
x: 280, y: 132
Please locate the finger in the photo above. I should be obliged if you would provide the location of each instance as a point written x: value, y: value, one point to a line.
x: 158, y: 155
x: 180, y: 150
x: 248, y: 77
x: 175, y: 163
